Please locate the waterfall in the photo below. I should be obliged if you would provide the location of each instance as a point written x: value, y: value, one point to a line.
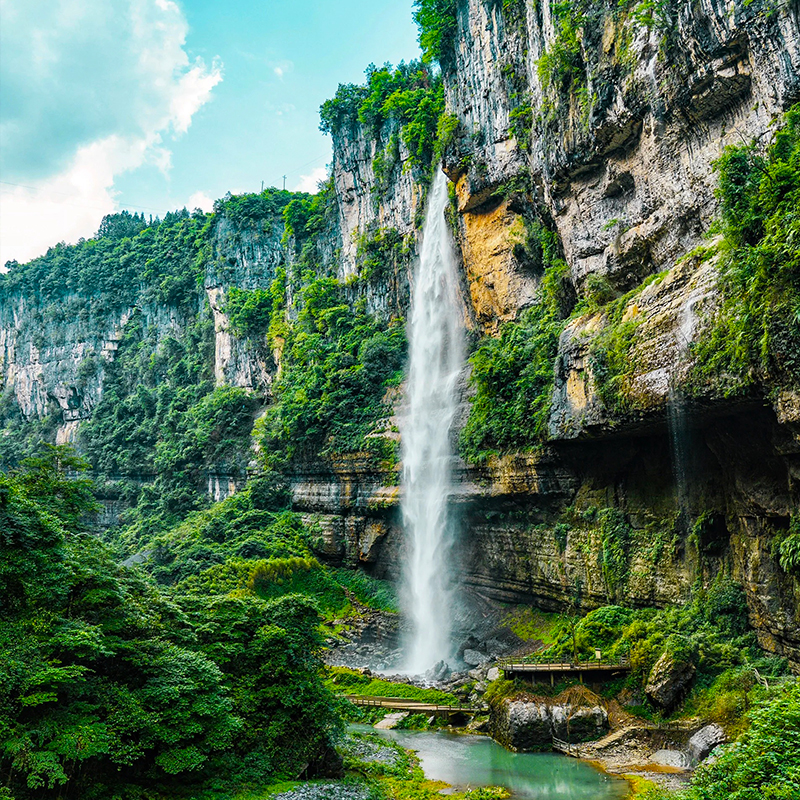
x: 679, y: 430
x: 436, y: 356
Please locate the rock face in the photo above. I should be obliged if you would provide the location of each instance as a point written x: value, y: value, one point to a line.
x: 704, y: 741
x: 523, y: 724
x: 475, y: 658
x: 54, y: 355
x: 623, y: 161
x: 668, y: 681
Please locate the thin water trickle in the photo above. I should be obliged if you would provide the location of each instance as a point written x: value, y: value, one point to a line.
x: 436, y: 357
x: 679, y: 431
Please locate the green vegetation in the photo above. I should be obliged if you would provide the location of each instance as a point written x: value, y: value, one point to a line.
x: 381, y: 254
x: 561, y: 65
x: 249, y: 311
x: 710, y: 631
x: 513, y: 373
x: 533, y: 625
x: 161, y: 416
x: 754, y: 335
x: 762, y: 764
x: 349, y: 681
x: 410, y: 98
x: 337, y: 364
x: 437, y: 23
x: 789, y: 546
x: 93, y: 278
x: 110, y: 684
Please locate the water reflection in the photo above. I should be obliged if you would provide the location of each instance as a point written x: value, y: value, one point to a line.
x: 479, y: 761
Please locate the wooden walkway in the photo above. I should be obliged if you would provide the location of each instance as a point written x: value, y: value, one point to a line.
x: 404, y: 704
x: 598, y: 668
x: 566, y: 747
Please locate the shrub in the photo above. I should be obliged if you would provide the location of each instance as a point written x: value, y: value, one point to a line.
x: 513, y: 376
x: 754, y: 333
x: 437, y: 23
x: 337, y: 363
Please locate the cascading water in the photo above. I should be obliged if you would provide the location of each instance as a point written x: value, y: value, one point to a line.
x: 676, y: 407
x: 436, y: 357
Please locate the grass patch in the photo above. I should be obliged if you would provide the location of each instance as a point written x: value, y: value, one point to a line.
x: 348, y: 681
x: 533, y: 625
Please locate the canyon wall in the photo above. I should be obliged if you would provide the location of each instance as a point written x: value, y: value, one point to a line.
x: 620, y: 166
x: 612, y: 153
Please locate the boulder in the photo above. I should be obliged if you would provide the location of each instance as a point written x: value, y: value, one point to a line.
x: 526, y: 726
x: 478, y: 724
x: 470, y: 643
x: 493, y: 674
x: 579, y: 725
x: 440, y: 671
x: 704, y: 741
x: 668, y: 680
x: 531, y: 724
x: 475, y: 658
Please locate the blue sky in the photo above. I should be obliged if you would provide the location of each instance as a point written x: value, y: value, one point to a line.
x: 155, y: 104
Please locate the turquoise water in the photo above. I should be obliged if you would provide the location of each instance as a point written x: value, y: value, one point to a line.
x: 478, y: 761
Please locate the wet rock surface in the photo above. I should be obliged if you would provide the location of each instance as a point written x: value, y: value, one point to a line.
x: 526, y: 722
x: 704, y: 741
x: 669, y: 680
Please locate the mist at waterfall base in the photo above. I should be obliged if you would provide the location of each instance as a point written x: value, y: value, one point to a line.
x: 436, y: 356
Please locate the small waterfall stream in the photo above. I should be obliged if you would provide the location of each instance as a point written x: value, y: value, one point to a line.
x: 436, y: 357
x: 679, y: 429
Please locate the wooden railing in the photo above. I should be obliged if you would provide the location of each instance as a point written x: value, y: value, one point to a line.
x: 535, y: 665
x: 404, y: 704
x: 565, y: 747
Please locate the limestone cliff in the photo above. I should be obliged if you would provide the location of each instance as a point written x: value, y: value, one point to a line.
x: 616, y: 159
x: 598, y: 125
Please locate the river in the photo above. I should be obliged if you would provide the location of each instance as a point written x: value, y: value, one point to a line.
x: 475, y: 761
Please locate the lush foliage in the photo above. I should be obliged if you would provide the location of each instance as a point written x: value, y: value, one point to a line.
x: 249, y: 311
x: 263, y: 209
x: 337, y: 364
x: 755, y: 332
x: 105, y: 681
x: 762, y: 764
x: 348, y: 681
x: 409, y: 97
x: 710, y: 631
x: 89, y: 280
x: 162, y: 418
x: 437, y: 23
x: 513, y: 373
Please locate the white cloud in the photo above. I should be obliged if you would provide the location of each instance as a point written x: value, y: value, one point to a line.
x: 280, y: 68
x: 91, y: 89
x: 310, y: 183
x: 200, y: 200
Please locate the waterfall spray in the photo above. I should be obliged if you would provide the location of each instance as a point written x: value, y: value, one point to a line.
x: 436, y: 356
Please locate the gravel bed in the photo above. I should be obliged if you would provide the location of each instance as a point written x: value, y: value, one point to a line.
x: 326, y: 791
x: 370, y: 752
